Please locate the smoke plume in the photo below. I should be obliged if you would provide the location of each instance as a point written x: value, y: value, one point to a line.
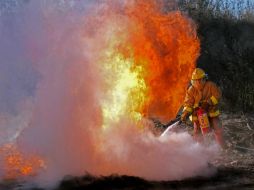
x: 56, y: 90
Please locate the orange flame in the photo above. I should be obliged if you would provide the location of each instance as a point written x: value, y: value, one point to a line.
x: 16, y: 165
x: 166, y: 46
x: 157, y: 51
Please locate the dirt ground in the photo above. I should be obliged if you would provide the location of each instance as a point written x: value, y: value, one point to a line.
x: 235, y: 167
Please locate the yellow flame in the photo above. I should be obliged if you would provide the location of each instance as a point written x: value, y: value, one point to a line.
x: 126, y: 91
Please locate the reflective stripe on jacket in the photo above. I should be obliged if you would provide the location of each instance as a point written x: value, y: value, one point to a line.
x: 210, y: 93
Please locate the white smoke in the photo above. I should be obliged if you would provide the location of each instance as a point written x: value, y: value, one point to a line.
x: 51, y: 88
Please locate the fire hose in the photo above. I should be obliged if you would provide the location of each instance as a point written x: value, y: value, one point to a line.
x: 171, y: 125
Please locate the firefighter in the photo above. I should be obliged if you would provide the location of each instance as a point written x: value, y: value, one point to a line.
x: 205, y: 94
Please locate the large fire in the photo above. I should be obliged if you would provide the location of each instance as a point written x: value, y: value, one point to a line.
x: 150, y: 63
x: 146, y: 66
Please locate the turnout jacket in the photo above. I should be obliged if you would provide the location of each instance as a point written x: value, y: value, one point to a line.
x: 210, y: 93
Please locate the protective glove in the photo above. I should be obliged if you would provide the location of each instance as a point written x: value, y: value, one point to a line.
x: 184, y: 116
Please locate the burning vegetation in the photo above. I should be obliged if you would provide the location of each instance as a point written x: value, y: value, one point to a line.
x: 16, y: 165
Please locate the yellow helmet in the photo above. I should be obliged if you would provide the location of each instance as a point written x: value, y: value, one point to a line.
x: 198, y: 74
